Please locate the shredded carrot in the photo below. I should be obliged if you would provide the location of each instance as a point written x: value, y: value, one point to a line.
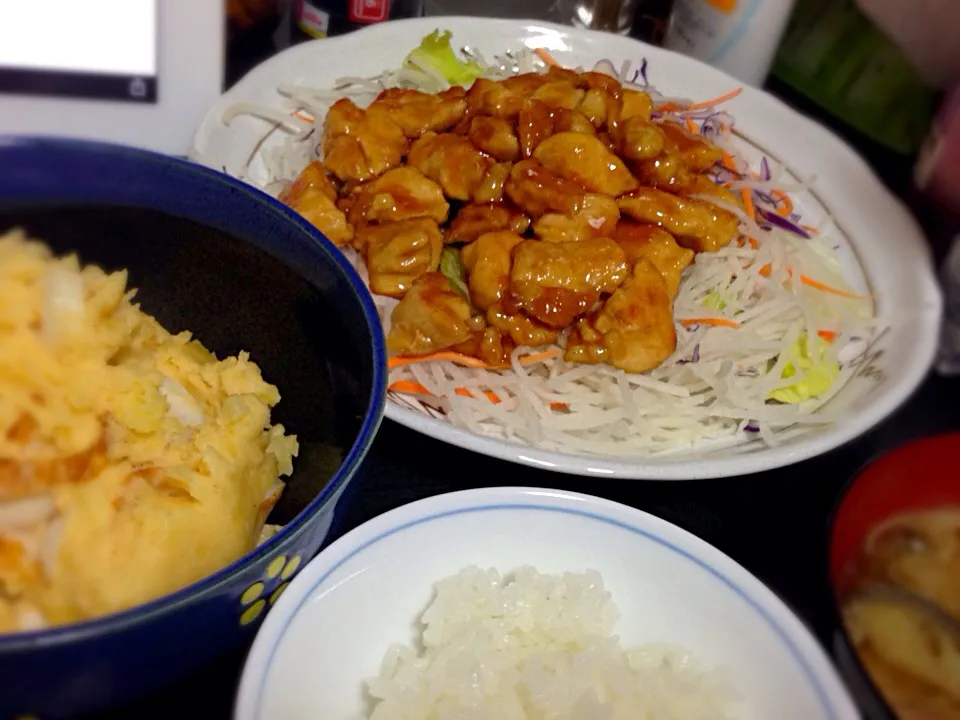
x: 816, y: 284
x: 828, y: 335
x: 810, y: 229
x: 766, y: 270
x: 754, y: 245
x: 719, y: 322
x: 414, y: 388
x: 728, y: 162
x: 300, y: 115
x: 785, y: 204
x: 704, y: 104
x: 464, y: 360
x: 748, y: 207
x: 741, y: 243
x: 692, y: 126
x: 559, y: 406
x: 546, y: 57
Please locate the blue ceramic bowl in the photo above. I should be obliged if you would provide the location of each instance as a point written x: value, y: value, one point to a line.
x: 242, y: 272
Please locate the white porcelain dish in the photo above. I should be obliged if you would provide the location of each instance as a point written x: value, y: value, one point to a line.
x: 881, y: 247
x: 333, y: 624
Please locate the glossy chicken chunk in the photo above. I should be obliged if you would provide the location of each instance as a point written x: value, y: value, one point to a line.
x: 695, y: 152
x: 474, y: 220
x: 430, y: 317
x: 641, y: 241
x: 640, y: 140
x: 560, y: 94
x: 486, y: 97
x: 600, y: 106
x: 313, y: 195
x: 418, y: 112
x: 634, y: 330
x: 665, y: 172
x: 696, y: 224
x: 595, y: 216
x: 557, y: 282
x: 398, y: 253
x: 488, y: 262
x: 702, y: 185
x: 537, y: 121
x: 496, y: 137
x: 536, y: 190
x: 586, y: 160
x: 635, y: 103
x: 399, y: 194
x: 451, y: 161
x: 490, y: 345
x: 521, y: 329
x: 491, y: 189
x: 358, y: 147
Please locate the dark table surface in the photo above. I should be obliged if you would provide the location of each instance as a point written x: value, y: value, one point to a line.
x: 773, y: 523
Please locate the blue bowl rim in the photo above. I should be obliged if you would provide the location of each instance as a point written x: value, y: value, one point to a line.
x: 322, y: 249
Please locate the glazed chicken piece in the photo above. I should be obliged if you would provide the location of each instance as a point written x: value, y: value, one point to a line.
x: 496, y: 137
x: 358, y: 147
x: 557, y: 282
x: 398, y: 253
x: 474, y: 220
x: 536, y: 190
x: 591, y: 80
x: 489, y: 345
x: 491, y: 189
x: 399, y: 194
x: 702, y: 185
x: 430, y: 317
x: 696, y: 224
x: 313, y: 195
x: 537, y: 121
x: 595, y: 216
x: 696, y: 153
x: 640, y: 139
x: 496, y: 99
x: 419, y: 112
x: 587, y: 161
x: 665, y: 172
x: 641, y: 241
x: 635, y: 103
x: 452, y: 161
x: 634, y: 330
x: 519, y: 328
x: 561, y: 94
x: 488, y: 262
x: 600, y: 106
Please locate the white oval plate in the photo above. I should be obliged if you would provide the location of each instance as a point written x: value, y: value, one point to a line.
x: 332, y: 626
x: 882, y: 249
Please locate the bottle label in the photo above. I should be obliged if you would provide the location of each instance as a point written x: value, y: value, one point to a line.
x: 709, y: 29
x: 312, y: 20
x: 369, y: 11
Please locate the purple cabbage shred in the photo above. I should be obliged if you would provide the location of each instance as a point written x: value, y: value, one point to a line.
x: 751, y: 428
x: 783, y: 223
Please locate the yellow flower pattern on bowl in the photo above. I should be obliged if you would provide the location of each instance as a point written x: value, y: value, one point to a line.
x: 263, y: 593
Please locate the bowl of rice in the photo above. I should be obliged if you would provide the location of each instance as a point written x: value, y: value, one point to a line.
x: 517, y: 603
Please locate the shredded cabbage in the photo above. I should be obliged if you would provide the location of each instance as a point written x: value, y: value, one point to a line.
x: 452, y: 266
x: 819, y: 373
x: 435, y: 53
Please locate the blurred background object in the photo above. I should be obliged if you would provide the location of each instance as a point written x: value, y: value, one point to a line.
x: 739, y: 37
x: 928, y: 33
x: 609, y: 15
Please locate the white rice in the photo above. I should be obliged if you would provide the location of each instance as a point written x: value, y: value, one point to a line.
x: 714, y: 387
x: 527, y: 646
